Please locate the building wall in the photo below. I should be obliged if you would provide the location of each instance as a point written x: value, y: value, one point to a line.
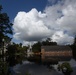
x: 58, y: 53
x: 48, y: 55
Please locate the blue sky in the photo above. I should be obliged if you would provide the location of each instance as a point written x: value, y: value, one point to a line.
x: 12, y: 7
x: 36, y: 20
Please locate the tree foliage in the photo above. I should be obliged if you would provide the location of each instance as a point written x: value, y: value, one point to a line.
x: 66, y: 68
x: 48, y: 42
x: 37, y: 46
x: 5, y: 25
x: 5, y: 29
x: 15, y: 54
x: 73, y: 46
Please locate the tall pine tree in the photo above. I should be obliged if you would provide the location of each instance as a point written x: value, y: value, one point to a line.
x: 5, y: 25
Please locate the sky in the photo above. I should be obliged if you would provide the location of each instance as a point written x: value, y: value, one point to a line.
x: 36, y: 20
x: 12, y: 7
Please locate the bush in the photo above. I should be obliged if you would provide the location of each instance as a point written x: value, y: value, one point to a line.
x: 66, y: 68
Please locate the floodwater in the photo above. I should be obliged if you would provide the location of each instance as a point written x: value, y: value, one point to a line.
x: 39, y: 69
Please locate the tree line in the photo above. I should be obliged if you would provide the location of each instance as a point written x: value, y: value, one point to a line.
x: 14, y: 52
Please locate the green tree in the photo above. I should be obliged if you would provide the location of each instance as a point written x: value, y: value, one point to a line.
x: 11, y: 51
x: 66, y: 68
x: 5, y: 29
x: 36, y: 47
x: 73, y: 46
x: 75, y: 41
x: 48, y: 42
x: 5, y: 25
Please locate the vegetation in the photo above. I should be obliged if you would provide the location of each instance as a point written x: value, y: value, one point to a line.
x: 5, y: 29
x: 73, y: 46
x: 48, y: 42
x: 5, y: 25
x: 15, y: 52
x: 37, y: 46
x: 65, y: 68
x: 27, y: 73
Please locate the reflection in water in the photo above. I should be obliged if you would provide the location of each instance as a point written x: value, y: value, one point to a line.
x: 72, y: 63
x: 34, y: 69
x: 35, y: 66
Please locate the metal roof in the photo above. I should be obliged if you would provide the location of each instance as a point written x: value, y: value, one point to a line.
x: 56, y: 48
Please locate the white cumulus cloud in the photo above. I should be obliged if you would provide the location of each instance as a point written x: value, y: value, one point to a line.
x: 57, y: 21
x: 30, y: 26
x: 62, y: 38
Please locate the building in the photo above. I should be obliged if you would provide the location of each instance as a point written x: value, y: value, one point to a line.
x: 55, y: 53
x: 29, y: 51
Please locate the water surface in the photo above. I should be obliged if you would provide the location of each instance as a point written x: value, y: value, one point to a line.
x: 39, y: 69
